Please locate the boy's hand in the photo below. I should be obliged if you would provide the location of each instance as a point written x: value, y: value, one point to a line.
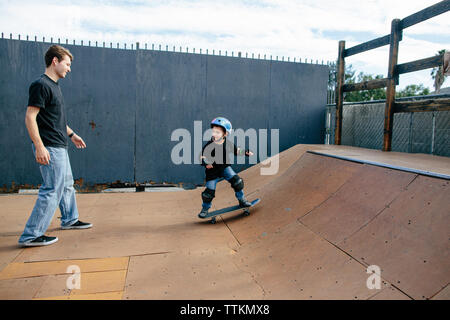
x: 209, y: 166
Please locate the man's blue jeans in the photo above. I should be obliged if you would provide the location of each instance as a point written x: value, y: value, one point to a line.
x: 228, y: 173
x: 56, y: 190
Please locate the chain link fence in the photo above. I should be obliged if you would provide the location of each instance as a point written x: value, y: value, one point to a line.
x: 413, y: 132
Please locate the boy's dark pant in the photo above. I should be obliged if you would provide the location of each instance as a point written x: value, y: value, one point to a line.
x: 228, y: 173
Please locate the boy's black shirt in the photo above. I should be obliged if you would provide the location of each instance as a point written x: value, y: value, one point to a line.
x: 51, y: 119
x: 209, y: 151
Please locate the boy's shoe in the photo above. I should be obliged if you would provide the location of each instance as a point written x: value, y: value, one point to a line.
x: 78, y: 225
x: 243, y: 203
x: 203, y: 213
x: 40, y: 241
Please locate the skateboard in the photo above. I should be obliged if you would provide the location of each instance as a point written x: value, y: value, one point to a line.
x: 214, y: 214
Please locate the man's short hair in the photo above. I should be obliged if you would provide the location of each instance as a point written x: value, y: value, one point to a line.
x: 56, y: 51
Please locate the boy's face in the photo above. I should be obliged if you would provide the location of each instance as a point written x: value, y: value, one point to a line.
x: 62, y: 67
x: 217, y: 133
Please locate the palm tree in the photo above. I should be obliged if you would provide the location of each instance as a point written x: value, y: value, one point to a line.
x: 437, y: 74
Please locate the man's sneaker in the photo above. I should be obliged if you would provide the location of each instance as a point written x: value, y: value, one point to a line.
x: 40, y: 241
x: 243, y: 203
x: 203, y: 213
x: 78, y: 225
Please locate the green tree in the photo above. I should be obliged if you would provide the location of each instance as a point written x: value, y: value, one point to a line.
x: 365, y: 95
x: 332, y: 75
x: 412, y: 90
x: 349, y: 74
x: 373, y: 94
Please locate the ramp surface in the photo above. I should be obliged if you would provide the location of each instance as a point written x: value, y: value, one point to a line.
x: 324, y: 218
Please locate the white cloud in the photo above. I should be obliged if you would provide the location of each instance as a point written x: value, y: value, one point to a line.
x: 273, y: 27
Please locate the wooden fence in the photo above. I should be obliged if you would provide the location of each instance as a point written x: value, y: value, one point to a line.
x: 394, y: 70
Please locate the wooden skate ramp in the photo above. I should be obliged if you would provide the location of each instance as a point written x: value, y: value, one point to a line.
x: 323, y: 220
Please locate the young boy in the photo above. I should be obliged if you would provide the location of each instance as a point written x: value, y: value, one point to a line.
x: 217, y: 164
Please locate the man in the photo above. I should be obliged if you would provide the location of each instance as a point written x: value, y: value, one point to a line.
x: 47, y: 126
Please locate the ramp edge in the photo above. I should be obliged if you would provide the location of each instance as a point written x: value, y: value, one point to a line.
x: 384, y: 165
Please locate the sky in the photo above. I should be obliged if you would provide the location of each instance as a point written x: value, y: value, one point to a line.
x: 300, y: 29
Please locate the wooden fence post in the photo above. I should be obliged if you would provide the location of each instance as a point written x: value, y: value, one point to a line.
x: 339, y: 93
x: 396, y: 32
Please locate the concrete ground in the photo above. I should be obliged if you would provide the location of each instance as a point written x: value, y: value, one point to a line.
x: 321, y: 223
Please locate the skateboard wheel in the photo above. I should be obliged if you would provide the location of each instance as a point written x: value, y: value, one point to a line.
x: 246, y: 213
x: 213, y: 220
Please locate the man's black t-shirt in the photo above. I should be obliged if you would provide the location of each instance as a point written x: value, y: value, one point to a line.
x: 51, y: 119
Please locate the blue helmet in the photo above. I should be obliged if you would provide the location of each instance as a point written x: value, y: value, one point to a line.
x: 222, y: 122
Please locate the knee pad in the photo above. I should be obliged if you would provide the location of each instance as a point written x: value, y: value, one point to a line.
x: 208, y: 195
x: 236, y: 183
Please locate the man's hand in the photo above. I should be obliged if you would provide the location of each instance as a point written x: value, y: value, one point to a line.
x: 209, y: 166
x: 249, y: 153
x: 78, y: 142
x: 42, y: 155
